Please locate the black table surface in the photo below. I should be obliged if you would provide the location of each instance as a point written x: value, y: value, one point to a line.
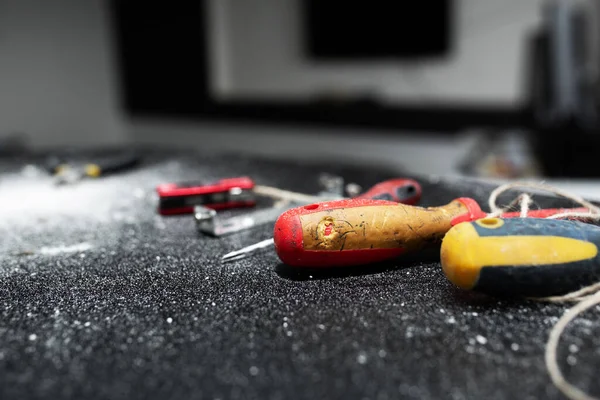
x: 102, y: 298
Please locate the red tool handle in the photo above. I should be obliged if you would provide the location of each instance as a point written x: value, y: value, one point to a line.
x: 361, y: 231
x: 364, y: 231
x: 405, y: 191
x: 543, y: 213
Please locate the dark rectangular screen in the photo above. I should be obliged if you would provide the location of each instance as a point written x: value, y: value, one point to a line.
x: 337, y: 29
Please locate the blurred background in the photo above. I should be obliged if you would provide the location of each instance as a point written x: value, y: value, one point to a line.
x: 477, y: 88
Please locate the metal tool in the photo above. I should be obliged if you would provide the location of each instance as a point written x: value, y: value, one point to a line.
x: 181, y: 198
x: 209, y: 223
x: 67, y: 169
x: 358, y: 232
x: 402, y: 190
x: 529, y: 257
x: 234, y: 255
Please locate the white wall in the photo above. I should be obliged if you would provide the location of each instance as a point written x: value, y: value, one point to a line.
x: 57, y: 81
x: 257, y: 49
x: 425, y: 152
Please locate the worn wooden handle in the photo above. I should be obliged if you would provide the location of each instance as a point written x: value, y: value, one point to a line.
x: 354, y: 232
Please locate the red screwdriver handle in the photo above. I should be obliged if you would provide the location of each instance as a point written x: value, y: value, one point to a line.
x: 405, y: 191
x: 542, y: 213
x: 546, y: 212
x: 361, y: 231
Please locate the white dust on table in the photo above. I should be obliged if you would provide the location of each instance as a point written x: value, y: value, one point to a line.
x: 55, y: 250
x: 478, y: 339
x: 44, y: 213
x: 31, y: 171
x: 24, y: 201
x: 481, y: 339
x: 573, y: 348
x: 33, y: 201
x: 287, y: 328
x: 361, y: 358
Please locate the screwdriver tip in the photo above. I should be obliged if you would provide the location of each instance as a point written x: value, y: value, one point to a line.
x: 236, y: 255
x: 232, y: 257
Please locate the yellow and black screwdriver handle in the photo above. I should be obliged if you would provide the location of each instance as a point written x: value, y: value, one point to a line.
x: 527, y: 257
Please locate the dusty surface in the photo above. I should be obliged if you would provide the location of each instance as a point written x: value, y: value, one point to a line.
x: 102, y: 298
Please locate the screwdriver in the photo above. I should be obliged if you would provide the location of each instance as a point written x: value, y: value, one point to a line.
x: 406, y: 191
x: 528, y: 257
x: 69, y: 171
x: 363, y: 231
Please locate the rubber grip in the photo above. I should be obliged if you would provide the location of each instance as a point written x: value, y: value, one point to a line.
x: 528, y: 257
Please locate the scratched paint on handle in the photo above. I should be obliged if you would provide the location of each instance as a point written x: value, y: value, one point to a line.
x: 377, y: 227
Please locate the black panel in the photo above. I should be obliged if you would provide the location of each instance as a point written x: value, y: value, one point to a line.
x: 337, y: 29
x: 162, y: 55
x: 163, y: 66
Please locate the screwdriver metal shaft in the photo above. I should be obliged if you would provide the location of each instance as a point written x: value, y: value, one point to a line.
x: 235, y: 254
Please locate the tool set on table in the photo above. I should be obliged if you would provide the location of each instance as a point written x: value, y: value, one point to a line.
x: 542, y: 254
x: 203, y: 200
x: 515, y: 253
x: 549, y: 255
x: 546, y: 254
